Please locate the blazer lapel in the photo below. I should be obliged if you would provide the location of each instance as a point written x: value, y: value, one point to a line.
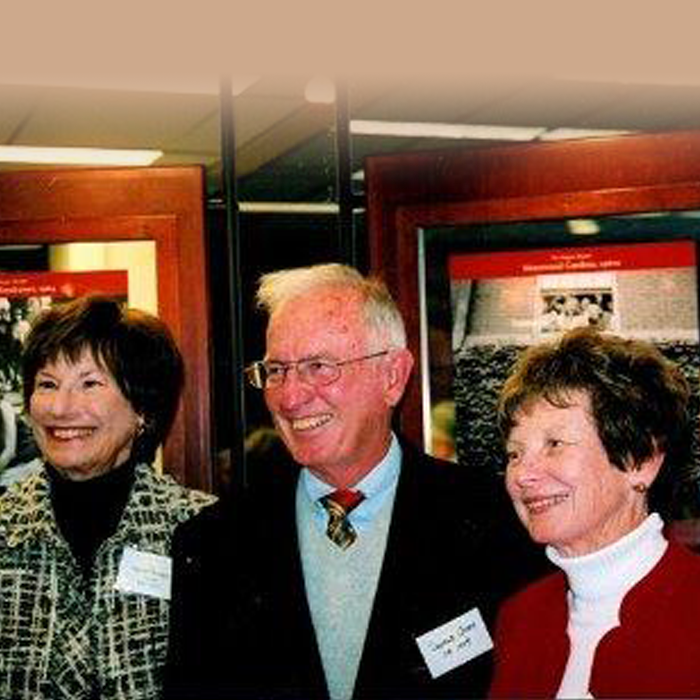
x: 429, y: 576
x: 282, y: 597
x: 391, y: 658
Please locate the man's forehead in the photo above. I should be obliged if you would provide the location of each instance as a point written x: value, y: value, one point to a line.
x: 323, y: 305
x: 331, y: 327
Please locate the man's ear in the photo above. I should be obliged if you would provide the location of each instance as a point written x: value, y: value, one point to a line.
x: 399, y: 365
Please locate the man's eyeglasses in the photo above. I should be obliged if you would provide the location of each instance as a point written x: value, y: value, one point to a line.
x: 314, y: 371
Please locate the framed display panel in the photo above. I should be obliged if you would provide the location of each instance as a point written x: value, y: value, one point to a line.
x: 122, y: 212
x: 500, y: 302
x: 424, y: 207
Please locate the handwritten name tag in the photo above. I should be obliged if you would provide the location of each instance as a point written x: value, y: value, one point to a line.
x: 454, y: 643
x: 145, y: 573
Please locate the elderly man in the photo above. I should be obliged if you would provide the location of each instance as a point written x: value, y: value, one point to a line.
x: 364, y: 568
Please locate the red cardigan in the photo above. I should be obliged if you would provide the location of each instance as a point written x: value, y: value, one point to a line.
x: 655, y: 652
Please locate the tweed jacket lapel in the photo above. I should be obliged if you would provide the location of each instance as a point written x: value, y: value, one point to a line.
x: 78, y: 627
x: 26, y: 513
x: 141, y: 525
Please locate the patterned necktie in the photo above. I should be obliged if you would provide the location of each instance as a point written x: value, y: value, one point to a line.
x: 339, y: 504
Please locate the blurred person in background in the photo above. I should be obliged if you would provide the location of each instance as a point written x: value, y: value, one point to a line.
x: 443, y: 427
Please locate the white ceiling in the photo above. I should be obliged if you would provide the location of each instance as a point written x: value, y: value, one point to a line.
x: 279, y: 134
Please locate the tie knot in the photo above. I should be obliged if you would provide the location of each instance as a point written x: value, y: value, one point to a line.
x: 347, y: 499
x: 339, y: 504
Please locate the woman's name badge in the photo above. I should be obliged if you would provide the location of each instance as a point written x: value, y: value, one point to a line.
x: 454, y: 643
x: 145, y: 573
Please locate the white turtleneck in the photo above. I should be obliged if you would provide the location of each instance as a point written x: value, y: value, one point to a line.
x: 598, y: 582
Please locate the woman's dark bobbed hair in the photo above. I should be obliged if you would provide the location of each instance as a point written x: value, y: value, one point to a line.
x: 639, y: 399
x: 135, y: 347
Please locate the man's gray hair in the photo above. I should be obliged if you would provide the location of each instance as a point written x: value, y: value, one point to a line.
x: 384, y: 322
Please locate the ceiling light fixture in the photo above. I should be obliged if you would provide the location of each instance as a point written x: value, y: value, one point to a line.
x: 436, y: 130
x: 77, y: 156
x: 320, y: 91
x: 289, y: 207
x: 566, y: 133
x: 583, y: 227
x: 479, y: 132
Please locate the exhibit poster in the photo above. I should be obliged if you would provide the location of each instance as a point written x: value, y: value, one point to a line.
x: 503, y: 302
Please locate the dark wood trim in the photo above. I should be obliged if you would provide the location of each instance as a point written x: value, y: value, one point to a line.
x: 160, y: 204
x: 410, y: 191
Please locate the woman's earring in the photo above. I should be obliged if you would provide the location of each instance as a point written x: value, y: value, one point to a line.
x: 640, y: 488
x: 140, y: 426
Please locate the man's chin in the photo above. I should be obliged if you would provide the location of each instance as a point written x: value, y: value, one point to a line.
x: 307, y: 453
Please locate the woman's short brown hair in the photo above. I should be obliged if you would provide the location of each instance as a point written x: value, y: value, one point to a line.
x: 134, y: 346
x: 639, y: 399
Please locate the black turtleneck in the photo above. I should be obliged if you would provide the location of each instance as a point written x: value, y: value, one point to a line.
x: 88, y: 512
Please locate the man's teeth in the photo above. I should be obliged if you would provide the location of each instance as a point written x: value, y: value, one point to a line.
x: 310, y: 422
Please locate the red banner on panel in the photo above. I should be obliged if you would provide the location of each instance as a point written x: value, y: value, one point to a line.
x: 604, y: 258
x: 64, y: 285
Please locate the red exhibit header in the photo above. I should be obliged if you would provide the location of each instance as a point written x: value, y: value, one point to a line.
x: 67, y: 285
x: 604, y: 258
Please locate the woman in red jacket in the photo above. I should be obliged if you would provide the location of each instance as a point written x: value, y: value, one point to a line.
x: 593, y: 425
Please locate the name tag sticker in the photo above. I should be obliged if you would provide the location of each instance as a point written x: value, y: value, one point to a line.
x: 145, y: 573
x: 454, y: 643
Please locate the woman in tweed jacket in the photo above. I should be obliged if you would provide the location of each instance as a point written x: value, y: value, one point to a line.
x: 84, y: 544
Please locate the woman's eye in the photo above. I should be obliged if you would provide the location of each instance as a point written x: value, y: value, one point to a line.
x: 91, y: 383
x: 45, y: 384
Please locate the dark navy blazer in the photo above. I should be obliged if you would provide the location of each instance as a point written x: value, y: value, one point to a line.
x: 240, y: 622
